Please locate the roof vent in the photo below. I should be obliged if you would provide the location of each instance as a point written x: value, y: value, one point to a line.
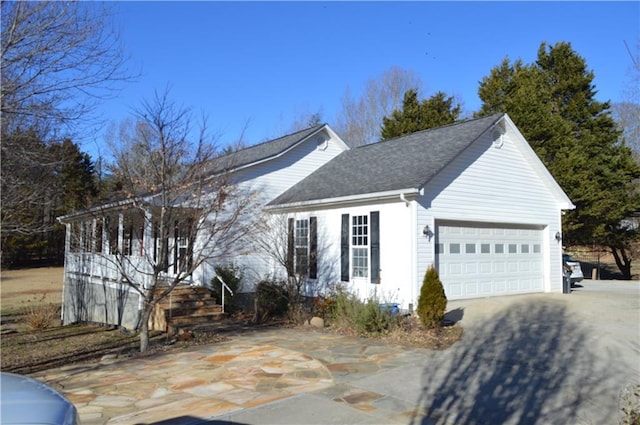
x: 323, y: 143
x: 498, y: 141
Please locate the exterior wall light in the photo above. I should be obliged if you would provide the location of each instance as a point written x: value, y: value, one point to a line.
x: 427, y: 232
x: 558, y: 237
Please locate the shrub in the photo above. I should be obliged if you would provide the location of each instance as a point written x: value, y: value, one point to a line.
x: 232, y: 276
x: 348, y: 313
x: 432, y: 303
x: 272, y: 299
x: 39, y: 315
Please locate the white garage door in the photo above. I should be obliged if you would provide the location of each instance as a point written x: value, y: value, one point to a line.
x: 479, y: 260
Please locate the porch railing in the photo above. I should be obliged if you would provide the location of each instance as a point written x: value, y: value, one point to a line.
x: 224, y: 286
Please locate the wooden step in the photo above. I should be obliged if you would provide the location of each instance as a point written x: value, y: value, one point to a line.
x: 189, y: 311
x: 167, y: 305
x: 196, y: 319
x: 186, y: 305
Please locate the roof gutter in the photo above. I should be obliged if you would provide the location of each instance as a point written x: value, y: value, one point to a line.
x: 403, y: 194
x: 101, y: 208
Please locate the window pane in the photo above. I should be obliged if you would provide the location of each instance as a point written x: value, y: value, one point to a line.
x: 470, y: 248
x: 360, y: 231
x: 439, y: 248
x: 360, y: 262
x: 485, y: 248
x: 499, y: 248
x: 513, y: 248
x: 536, y: 248
x: 524, y: 248
x: 454, y: 248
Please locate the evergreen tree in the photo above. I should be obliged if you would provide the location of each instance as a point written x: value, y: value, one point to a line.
x: 553, y: 103
x: 436, y: 111
x: 74, y: 172
x: 432, y: 303
x: 40, y: 182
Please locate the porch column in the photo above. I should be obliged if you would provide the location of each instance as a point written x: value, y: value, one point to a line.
x: 105, y: 236
x: 121, y: 233
x: 147, y: 240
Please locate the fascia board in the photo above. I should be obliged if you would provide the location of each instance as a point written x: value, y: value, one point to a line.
x: 409, y: 193
x: 100, y: 208
x: 290, y: 148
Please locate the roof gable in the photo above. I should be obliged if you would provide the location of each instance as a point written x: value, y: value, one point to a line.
x: 264, y: 151
x: 403, y: 163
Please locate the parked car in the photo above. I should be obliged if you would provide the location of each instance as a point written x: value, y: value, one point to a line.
x: 572, y: 269
x: 26, y: 401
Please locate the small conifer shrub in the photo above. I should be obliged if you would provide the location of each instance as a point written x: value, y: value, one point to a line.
x: 432, y: 303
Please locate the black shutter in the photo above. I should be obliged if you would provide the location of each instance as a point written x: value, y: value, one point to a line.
x: 313, y: 248
x: 375, y: 246
x: 344, y: 249
x: 290, y: 248
x: 176, y: 234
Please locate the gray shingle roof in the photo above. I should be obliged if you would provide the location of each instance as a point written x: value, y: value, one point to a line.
x: 262, y: 151
x: 401, y: 163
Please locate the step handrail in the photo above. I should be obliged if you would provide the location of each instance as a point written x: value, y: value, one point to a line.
x: 222, y: 288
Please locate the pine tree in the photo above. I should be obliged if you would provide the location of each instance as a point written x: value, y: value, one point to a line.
x: 432, y: 303
x: 552, y: 101
x: 436, y: 111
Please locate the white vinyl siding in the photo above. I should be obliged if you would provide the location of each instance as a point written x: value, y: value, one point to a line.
x: 488, y: 185
x: 276, y: 175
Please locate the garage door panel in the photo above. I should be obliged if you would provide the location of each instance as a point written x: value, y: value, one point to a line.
x: 478, y: 259
x: 455, y: 269
x: 471, y: 268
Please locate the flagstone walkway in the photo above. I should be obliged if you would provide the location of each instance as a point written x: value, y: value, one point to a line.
x: 249, y: 370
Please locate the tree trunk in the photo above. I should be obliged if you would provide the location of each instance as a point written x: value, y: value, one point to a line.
x: 144, y: 326
x: 623, y: 261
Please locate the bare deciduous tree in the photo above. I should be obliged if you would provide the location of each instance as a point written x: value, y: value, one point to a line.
x: 301, y: 255
x: 360, y: 120
x: 627, y: 112
x: 183, y: 202
x: 58, y: 59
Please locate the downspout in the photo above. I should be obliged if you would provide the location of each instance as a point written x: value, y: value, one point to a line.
x: 404, y: 199
x: 414, y: 257
x: 414, y: 247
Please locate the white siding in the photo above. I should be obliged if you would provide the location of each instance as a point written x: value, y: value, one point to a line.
x: 274, y: 176
x: 493, y: 185
x: 396, y: 248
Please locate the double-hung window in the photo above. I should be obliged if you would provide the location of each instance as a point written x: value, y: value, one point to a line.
x: 301, y: 244
x: 302, y: 247
x: 360, y: 245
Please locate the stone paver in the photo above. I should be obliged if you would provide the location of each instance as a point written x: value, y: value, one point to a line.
x: 538, y: 359
x: 210, y: 381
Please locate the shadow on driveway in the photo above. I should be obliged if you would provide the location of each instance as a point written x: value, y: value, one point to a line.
x: 529, y: 364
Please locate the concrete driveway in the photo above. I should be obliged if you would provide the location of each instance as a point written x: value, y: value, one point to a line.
x: 531, y: 359
x: 534, y: 359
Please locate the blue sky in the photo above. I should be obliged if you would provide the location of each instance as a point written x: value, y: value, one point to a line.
x: 264, y: 64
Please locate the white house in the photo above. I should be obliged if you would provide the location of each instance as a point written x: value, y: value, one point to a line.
x: 104, y: 240
x: 471, y: 198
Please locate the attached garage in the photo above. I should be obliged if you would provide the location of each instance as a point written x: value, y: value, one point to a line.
x: 487, y: 259
x: 471, y: 199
